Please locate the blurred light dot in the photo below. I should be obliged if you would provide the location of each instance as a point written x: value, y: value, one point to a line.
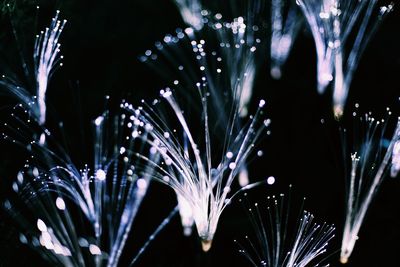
x: 271, y: 180
x: 141, y: 183
x: 232, y: 165
x: 101, y: 175
x: 94, y: 250
x: 41, y: 225
x: 60, y: 203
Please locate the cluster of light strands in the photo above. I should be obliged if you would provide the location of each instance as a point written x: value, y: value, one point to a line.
x: 188, y: 166
x: 337, y: 26
x: 80, y: 217
x: 285, y: 24
x: 242, y: 52
x: 222, y: 55
x: 46, y: 60
x: 191, y: 12
x: 227, y: 54
x: 279, y: 240
x: 372, y: 159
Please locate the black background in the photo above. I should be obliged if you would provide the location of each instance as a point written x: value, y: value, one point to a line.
x: 101, y: 44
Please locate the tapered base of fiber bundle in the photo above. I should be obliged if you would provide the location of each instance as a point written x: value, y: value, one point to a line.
x: 338, y: 113
x: 206, y: 245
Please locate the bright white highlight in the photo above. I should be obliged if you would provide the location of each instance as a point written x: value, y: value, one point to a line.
x: 41, y: 226
x: 271, y: 180
x: 60, y: 203
x: 100, y: 175
x: 185, y: 211
x: 94, y: 250
x: 243, y: 177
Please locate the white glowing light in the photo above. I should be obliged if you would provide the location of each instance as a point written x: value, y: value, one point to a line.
x: 42, y: 139
x: 142, y: 184
x: 94, y: 250
x: 135, y: 134
x: 45, y: 240
x: 60, y: 203
x: 98, y: 120
x: 232, y: 165
x: 101, y: 175
x: 271, y: 180
x: 35, y: 172
x: 185, y: 211
x: 41, y: 225
x: 243, y: 177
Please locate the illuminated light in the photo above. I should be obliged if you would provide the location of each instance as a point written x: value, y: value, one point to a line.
x: 41, y: 225
x: 271, y: 180
x: 98, y: 120
x: 60, y: 203
x: 232, y: 165
x: 100, y: 175
x: 94, y: 250
x: 141, y: 183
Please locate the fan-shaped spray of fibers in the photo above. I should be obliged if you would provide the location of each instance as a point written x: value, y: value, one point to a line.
x: 46, y: 60
x: 280, y: 243
x: 79, y: 217
x: 332, y: 23
x: 241, y: 54
x: 370, y: 163
x: 227, y: 54
x: 226, y: 63
x: 285, y: 25
x: 188, y: 166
